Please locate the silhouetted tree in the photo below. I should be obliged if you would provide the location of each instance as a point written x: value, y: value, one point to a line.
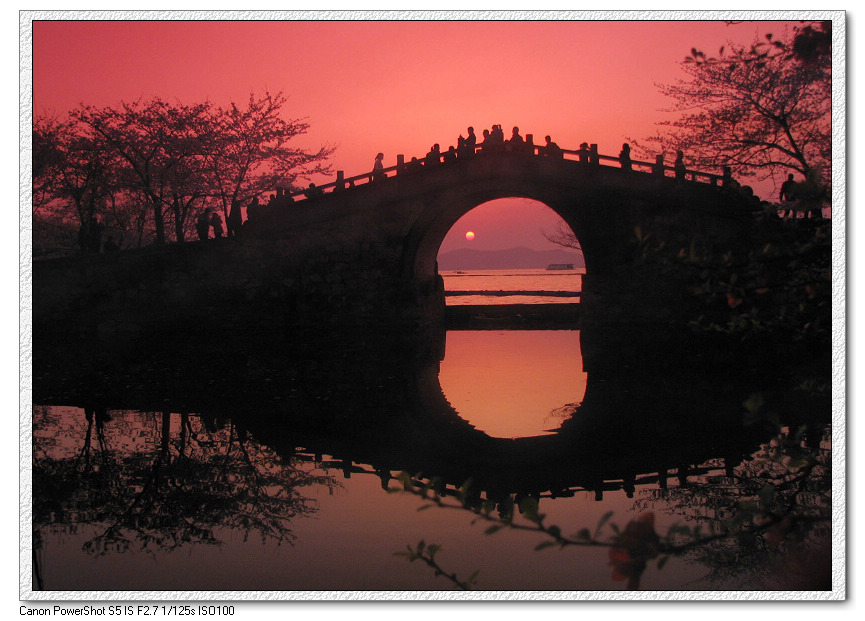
x: 759, y: 110
x: 563, y: 236
x: 168, y: 159
x: 811, y: 43
x: 75, y: 176
x: 248, y: 151
x: 48, y: 156
x: 159, y: 142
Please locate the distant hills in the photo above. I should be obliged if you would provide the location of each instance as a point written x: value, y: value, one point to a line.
x: 511, y: 259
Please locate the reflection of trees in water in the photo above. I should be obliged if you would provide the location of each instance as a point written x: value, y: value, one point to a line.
x: 766, y: 520
x: 778, y: 504
x: 161, y: 481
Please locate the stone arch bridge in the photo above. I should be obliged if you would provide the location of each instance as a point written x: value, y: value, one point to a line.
x: 362, y: 253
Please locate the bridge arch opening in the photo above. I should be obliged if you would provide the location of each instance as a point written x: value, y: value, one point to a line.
x: 510, y: 251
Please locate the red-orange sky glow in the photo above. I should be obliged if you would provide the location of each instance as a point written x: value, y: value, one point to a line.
x: 394, y: 86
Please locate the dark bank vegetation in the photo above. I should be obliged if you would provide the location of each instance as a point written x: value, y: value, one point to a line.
x: 140, y: 170
x: 778, y: 288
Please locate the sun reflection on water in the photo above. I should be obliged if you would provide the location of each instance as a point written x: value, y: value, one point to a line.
x: 512, y: 384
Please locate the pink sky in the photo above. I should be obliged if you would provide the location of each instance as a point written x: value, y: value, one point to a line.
x: 395, y: 86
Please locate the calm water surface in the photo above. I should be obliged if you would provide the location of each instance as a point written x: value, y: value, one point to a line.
x: 268, y: 468
x: 512, y: 281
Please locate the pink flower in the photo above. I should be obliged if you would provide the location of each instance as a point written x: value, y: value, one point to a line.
x: 635, y: 545
x: 734, y: 299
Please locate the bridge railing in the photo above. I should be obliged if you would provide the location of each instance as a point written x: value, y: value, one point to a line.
x: 587, y: 155
x: 628, y: 483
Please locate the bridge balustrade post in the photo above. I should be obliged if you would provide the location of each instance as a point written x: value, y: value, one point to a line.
x: 400, y: 163
x: 593, y: 155
x: 728, y: 177
x: 683, y: 475
x: 340, y: 180
x: 629, y: 484
x: 530, y: 143
x: 659, y: 166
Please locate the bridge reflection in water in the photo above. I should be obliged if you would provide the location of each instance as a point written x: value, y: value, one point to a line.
x: 190, y: 446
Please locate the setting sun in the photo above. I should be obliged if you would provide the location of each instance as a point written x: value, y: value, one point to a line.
x: 470, y: 235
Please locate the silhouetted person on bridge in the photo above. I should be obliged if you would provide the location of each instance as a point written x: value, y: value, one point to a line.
x: 584, y: 153
x: 625, y: 156
x: 450, y: 155
x: 471, y: 141
x: 485, y: 143
x: 788, y: 189
x: 284, y: 197
x: 378, y: 168
x: 516, y: 142
x: 788, y: 197
x: 727, y: 180
x: 496, y: 140
x: 551, y: 149
x: 216, y: 223
x: 679, y: 166
x: 313, y: 192
x: 202, y: 224
x: 466, y: 146
x: 434, y: 155
x: 253, y: 210
x: 235, y: 220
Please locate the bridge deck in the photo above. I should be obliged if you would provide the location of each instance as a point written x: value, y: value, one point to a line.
x: 586, y: 155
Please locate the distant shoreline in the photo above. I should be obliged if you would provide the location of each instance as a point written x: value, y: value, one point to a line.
x: 510, y: 259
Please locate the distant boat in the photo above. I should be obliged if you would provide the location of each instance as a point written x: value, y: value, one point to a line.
x: 560, y: 266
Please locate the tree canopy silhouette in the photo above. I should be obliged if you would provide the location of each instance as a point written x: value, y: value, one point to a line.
x: 764, y: 110
x: 145, y: 167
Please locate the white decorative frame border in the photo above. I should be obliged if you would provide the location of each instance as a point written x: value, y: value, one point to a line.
x: 839, y: 304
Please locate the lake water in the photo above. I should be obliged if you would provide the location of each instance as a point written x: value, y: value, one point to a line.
x: 274, y: 465
x: 513, y: 282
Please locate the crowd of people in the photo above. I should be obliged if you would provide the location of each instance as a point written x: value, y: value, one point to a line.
x: 493, y: 140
